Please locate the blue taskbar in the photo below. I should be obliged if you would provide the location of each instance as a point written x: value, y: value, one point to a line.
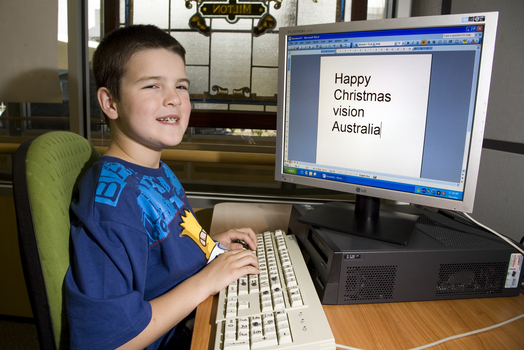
x: 371, y: 182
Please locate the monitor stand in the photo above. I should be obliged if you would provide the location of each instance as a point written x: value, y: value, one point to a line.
x: 364, y: 218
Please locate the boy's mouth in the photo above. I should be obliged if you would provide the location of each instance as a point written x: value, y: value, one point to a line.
x: 168, y: 120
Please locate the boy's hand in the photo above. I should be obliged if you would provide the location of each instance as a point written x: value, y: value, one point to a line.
x: 229, y: 267
x: 230, y: 238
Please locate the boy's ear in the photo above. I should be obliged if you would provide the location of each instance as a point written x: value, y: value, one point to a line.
x: 107, y: 103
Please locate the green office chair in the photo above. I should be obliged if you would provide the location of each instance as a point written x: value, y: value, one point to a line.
x: 45, y: 175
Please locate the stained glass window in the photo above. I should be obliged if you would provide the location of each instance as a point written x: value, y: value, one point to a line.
x: 232, y: 52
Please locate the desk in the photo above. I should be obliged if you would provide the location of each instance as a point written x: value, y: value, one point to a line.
x: 386, y: 326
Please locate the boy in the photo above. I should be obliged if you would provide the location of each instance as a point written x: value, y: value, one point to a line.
x: 140, y: 261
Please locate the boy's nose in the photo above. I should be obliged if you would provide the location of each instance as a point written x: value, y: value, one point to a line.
x: 172, y: 97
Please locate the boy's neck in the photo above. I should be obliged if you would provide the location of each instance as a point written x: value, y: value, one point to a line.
x: 138, y: 155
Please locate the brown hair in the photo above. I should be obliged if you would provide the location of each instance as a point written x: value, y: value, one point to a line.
x: 116, y: 48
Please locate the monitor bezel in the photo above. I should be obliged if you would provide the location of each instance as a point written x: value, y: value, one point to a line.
x: 488, y: 19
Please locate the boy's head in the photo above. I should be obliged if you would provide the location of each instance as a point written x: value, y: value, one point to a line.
x: 116, y: 48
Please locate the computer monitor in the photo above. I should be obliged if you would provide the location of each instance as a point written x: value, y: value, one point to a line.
x: 385, y: 109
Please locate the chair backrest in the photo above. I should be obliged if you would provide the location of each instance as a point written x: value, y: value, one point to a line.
x: 46, y: 171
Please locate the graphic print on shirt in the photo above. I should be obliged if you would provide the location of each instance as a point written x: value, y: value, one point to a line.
x: 193, y: 230
x: 159, y: 201
x: 157, y: 211
x: 111, y: 183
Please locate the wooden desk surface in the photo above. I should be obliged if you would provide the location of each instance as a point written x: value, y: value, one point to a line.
x: 387, y: 326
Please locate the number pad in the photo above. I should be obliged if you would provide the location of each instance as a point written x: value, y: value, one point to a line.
x: 257, y: 332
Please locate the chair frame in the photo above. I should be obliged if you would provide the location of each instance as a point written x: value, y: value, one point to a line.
x: 29, y: 253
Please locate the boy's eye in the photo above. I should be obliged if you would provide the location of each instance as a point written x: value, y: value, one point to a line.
x: 150, y: 87
x: 182, y: 87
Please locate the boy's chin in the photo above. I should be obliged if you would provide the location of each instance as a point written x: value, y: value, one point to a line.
x: 171, y: 143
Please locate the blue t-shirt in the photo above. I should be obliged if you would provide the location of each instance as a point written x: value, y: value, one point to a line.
x: 134, y: 237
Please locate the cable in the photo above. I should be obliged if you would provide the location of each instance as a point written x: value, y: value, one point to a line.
x: 346, y: 347
x: 495, y: 233
x: 452, y: 337
x: 468, y: 333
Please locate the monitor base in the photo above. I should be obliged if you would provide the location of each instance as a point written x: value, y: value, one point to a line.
x: 364, y: 218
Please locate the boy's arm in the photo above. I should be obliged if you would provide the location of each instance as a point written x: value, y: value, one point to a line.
x: 172, y: 307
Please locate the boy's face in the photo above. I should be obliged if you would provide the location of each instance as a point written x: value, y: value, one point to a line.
x: 154, y: 107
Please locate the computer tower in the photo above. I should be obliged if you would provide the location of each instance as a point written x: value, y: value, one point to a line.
x: 444, y: 259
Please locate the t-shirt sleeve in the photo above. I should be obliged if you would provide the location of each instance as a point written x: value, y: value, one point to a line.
x: 105, y: 285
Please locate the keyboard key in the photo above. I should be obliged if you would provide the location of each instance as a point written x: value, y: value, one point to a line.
x: 266, y: 306
x: 283, y: 324
x: 296, y: 301
x: 243, y: 286
x: 264, y: 342
x: 256, y: 321
x: 280, y: 315
x: 231, y: 312
x: 236, y: 344
x: 253, y: 284
x: 243, y: 335
x: 278, y: 304
x: 284, y: 337
x: 231, y: 327
x: 232, y: 290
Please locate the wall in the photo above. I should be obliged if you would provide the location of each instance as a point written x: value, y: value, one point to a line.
x: 500, y: 191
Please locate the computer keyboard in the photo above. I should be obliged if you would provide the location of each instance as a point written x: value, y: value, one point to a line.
x: 277, y: 309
